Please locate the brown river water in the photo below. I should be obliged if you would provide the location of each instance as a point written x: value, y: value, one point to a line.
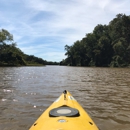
x: 25, y: 92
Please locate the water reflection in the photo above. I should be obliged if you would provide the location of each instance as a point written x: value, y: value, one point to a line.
x: 25, y: 92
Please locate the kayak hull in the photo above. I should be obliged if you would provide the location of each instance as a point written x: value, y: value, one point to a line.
x: 64, y: 114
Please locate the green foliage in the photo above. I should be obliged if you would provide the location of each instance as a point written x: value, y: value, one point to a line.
x: 5, y: 36
x: 10, y: 55
x: 108, y: 45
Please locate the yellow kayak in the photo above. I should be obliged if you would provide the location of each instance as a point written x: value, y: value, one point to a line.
x: 64, y: 114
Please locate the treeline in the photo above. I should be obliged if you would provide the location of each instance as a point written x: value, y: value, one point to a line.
x: 10, y: 55
x: 107, y: 45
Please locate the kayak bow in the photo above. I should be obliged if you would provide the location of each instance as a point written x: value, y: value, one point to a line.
x: 64, y: 114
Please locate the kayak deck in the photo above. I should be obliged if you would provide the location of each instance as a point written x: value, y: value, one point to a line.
x: 64, y: 114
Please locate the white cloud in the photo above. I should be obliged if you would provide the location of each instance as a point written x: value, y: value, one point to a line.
x: 54, y: 56
x: 63, y: 21
x: 46, y: 51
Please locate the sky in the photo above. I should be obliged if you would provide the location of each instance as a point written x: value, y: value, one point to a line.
x: 43, y: 27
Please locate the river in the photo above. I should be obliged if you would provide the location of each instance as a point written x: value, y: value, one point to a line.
x: 25, y: 92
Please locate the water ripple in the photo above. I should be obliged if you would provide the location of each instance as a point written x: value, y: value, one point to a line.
x: 25, y: 92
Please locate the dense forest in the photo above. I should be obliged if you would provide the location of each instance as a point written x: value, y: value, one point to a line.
x: 106, y: 46
x: 10, y: 55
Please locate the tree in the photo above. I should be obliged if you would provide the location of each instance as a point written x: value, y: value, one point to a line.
x: 107, y: 45
x: 5, y: 36
x: 10, y: 55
